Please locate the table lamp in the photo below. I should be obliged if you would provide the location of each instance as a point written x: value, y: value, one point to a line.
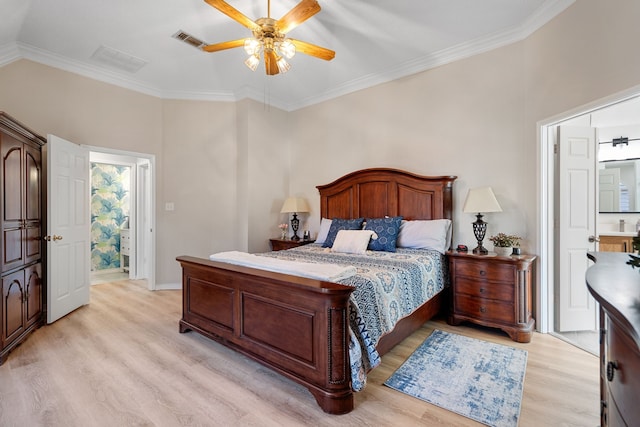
x: 479, y: 200
x: 295, y: 205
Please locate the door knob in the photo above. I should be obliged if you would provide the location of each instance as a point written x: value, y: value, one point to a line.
x: 55, y: 237
x: 593, y: 239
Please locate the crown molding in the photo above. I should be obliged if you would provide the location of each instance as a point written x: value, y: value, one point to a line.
x: 9, y: 53
x: 15, y: 51
x: 549, y: 9
x: 54, y: 60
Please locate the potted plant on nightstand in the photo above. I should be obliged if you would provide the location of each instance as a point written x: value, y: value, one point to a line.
x: 503, y: 244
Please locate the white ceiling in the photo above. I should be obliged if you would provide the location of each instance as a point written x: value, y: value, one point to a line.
x: 375, y: 41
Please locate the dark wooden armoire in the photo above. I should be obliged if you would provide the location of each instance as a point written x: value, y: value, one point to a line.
x: 21, y: 248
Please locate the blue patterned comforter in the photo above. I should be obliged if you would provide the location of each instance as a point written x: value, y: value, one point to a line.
x: 388, y: 287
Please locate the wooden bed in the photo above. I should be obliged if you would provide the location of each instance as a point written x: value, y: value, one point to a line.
x: 299, y: 326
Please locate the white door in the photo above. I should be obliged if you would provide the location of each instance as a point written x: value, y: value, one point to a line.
x: 68, y: 239
x: 609, y: 185
x: 576, y: 223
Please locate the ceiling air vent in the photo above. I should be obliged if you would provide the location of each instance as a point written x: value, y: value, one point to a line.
x: 117, y: 59
x: 189, y: 39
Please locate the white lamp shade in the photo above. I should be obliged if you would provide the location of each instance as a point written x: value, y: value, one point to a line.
x: 295, y: 205
x: 481, y: 199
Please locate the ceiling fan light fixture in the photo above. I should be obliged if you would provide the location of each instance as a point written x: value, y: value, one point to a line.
x: 287, y: 49
x: 269, y: 36
x: 252, y: 62
x: 283, y: 65
x: 252, y: 46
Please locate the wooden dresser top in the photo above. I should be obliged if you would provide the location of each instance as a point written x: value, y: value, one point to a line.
x: 616, y: 286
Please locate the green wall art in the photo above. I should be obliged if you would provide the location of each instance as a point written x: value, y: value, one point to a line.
x: 110, y: 207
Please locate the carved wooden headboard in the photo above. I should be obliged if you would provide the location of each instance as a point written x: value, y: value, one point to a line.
x: 379, y: 192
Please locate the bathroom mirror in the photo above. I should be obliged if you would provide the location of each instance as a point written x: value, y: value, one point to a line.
x: 618, y: 181
x: 619, y: 176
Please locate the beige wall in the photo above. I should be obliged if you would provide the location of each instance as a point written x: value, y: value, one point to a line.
x: 476, y: 118
x: 446, y: 121
x: 223, y: 165
x: 228, y: 166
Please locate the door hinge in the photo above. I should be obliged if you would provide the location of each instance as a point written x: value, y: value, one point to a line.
x: 555, y: 148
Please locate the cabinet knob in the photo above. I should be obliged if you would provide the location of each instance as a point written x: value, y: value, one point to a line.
x: 483, y: 273
x: 611, y: 369
x: 482, y: 290
x: 483, y: 309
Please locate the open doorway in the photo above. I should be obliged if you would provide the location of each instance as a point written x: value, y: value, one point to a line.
x: 122, y: 218
x: 611, y: 119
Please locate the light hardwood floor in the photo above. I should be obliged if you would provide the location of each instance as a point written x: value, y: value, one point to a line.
x: 120, y: 361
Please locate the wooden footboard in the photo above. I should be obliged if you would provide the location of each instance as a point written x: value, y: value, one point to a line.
x: 293, y: 325
x: 300, y: 327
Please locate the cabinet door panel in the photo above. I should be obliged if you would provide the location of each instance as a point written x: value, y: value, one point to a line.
x: 615, y: 244
x: 33, y: 244
x: 12, y: 248
x: 33, y: 287
x: 12, y: 294
x: 12, y: 180
x: 33, y: 177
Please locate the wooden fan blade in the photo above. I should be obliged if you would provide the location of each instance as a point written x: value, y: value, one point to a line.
x: 224, y: 45
x: 232, y: 13
x: 296, y: 16
x: 313, y: 50
x: 271, y: 63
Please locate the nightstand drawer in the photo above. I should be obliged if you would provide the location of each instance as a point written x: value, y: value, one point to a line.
x: 482, y: 289
x: 484, y: 309
x: 485, y: 271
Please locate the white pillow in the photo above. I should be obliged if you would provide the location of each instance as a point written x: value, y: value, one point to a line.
x: 353, y: 241
x: 431, y: 234
x: 325, y: 224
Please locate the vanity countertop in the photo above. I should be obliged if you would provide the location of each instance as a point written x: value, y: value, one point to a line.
x: 618, y: 233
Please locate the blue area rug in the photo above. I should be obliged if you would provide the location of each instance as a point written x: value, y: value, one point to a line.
x: 478, y: 379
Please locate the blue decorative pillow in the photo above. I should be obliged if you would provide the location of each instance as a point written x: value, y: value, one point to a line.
x: 387, y: 230
x: 338, y: 224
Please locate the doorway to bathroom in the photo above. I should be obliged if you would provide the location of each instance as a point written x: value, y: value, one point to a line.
x: 121, y: 216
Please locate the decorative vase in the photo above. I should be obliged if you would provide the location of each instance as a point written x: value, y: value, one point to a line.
x: 283, y: 235
x: 503, y: 251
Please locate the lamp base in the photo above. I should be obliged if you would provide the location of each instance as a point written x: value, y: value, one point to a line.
x: 295, y: 223
x: 480, y: 250
x: 479, y: 230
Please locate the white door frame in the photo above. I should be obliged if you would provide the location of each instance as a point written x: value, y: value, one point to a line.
x: 546, y: 193
x: 149, y: 234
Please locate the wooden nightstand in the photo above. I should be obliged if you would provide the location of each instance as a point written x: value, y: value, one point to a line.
x: 280, y: 245
x: 492, y: 291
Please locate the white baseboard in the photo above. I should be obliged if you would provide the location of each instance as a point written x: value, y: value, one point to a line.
x: 168, y: 286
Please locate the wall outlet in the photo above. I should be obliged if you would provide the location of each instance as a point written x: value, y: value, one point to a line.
x: 169, y: 206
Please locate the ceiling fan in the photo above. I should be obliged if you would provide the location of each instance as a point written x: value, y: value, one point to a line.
x: 269, y: 36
